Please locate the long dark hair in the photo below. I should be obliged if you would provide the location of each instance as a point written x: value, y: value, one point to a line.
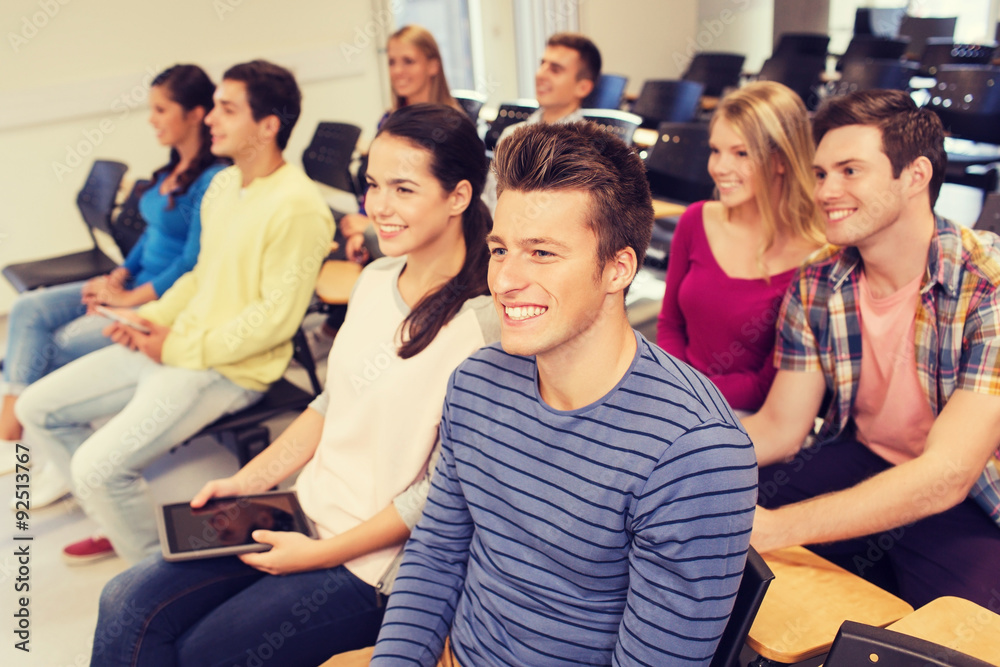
x: 457, y: 154
x: 189, y: 86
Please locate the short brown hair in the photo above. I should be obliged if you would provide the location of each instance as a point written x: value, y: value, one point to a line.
x: 581, y: 156
x: 590, y: 57
x: 271, y: 91
x: 908, y: 131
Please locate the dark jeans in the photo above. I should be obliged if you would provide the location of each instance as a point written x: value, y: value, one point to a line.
x: 218, y: 611
x: 955, y: 553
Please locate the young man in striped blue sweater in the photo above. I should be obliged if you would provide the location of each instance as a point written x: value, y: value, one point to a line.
x: 594, y: 496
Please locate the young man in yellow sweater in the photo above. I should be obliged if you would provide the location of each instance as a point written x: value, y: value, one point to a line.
x: 216, y: 340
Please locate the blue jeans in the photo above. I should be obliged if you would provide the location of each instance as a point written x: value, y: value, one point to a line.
x: 47, y: 329
x: 155, y: 407
x: 218, y: 611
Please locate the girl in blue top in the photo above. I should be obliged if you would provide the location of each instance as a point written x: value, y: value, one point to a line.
x: 50, y: 327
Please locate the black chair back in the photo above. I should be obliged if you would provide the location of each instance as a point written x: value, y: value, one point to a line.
x: 677, y: 164
x: 944, y: 51
x: 96, y: 200
x: 327, y: 158
x: 883, y: 21
x: 874, y: 47
x: 800, y: 73
x: 792, y: 44
x: 471, y: 101
x: 717, y: 71
x: 607, y: 93
x: 663, y: 100
x: 509, y: 114
x: 129, y: 225
x: 967, y: 98
x: 622, y: 124
x: 989, y: 217
x: 870, y: 74
x: 860, y: 644
x: 920, y: 29
x: 757, y: 576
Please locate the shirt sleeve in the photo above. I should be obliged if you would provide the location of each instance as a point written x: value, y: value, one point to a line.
x: 410, y: 503
x: 795, y: 348
x: 165, y: 310
x: 671, y: 331
x: 191, y: 210
x: 980, y: 369
x: 133, y: 262
x: 432, y: 576
x: 292, y: 242
x: 691, y: 530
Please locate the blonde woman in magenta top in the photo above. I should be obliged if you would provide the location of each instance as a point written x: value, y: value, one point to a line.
x: 732, y: 259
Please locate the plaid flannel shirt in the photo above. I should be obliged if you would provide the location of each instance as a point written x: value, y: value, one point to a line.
x: 957, y: 332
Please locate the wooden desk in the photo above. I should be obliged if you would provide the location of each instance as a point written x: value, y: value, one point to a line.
x: 807, y: 602
x: 958, y: 624
x: 336, y: 280
x: 666, y: 209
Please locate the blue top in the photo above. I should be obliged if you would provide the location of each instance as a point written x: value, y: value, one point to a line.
x: 612, y: 534
x: 169, y: 247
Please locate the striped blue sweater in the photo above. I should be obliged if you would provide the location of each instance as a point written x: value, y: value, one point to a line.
x: 613, y: 534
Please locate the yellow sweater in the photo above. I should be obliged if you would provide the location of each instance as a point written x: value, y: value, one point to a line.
x: 261, y: 250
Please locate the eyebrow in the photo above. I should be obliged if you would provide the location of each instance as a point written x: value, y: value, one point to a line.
x: 396, y: 181
x: 534, y: 241
x: 842, y: 163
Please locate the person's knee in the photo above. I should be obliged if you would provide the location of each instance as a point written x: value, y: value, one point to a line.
x: 122, y: 607
x: 26, y: 310
x: 30, y: 408
x: 98, y: 473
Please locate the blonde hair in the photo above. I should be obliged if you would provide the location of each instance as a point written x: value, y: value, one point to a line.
x: 774, y: 124
x: 423, y: 40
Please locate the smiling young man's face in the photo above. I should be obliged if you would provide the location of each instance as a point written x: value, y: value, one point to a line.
x: 543, y: 271
x: 855, y: 188
x: 235, y: 133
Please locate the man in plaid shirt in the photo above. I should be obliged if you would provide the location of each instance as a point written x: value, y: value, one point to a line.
x: 897, y: 324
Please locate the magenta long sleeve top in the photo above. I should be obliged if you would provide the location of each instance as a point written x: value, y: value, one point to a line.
x: 722, y: 326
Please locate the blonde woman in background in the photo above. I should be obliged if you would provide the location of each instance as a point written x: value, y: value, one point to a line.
x: 416, y: 75
x: 732, y: 259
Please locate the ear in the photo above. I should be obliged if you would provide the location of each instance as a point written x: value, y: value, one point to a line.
x: 917, y: 176
x: 583, y: 88
x: 621, y: 270
x: 460, y: 197
x: 435, y: 67
x: 269, y: 127
x: 197, y: 113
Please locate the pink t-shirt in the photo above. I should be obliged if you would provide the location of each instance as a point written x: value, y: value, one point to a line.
x: 722, y: 326
x: 891, y: 410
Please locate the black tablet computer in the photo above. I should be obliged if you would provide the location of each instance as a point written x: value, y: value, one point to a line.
x: 223, y: 527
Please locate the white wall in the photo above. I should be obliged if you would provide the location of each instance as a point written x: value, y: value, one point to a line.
x: 643, y: 39
x: 74, y: 64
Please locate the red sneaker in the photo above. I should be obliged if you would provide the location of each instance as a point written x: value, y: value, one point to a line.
x: 88, y: 551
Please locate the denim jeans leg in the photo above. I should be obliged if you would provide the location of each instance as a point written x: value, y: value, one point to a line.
x: 169, y: 406
x: 58, y: 409
x: 157, y: 407
x: 34, y: 319
x: 145, y: 609
x: 292, y: 620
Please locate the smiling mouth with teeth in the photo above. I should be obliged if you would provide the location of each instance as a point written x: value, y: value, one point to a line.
x: 839, y: 214
x: 390, y: 229
x: 523, y: 312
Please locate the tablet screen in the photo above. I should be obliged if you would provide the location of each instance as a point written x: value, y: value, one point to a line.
x: 229, y: 522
